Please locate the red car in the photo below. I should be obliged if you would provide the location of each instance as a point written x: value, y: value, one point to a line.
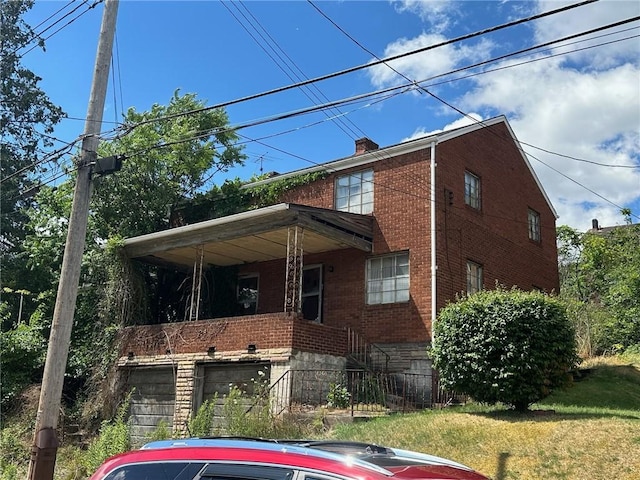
x: 258, y: 459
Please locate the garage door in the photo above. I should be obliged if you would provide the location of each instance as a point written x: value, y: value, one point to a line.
x: 152, y: 401
x: 218, y: 379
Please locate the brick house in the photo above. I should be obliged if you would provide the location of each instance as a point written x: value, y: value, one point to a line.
x: 359, y: 260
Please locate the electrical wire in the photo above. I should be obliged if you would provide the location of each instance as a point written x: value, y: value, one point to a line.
x: 93, y: 5
x: 36, y: 35
x: 366, y: 65
x: 283, y: 57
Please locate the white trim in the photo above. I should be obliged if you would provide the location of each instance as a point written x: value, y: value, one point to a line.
x: 404, y: 148
x: 434, y: 266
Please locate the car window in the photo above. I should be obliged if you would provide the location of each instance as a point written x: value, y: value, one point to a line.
x: 156, y: 471
x: 221, y: 471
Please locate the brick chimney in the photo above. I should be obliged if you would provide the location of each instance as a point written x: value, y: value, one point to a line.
x: 364, y: 145
x: 594, y: 224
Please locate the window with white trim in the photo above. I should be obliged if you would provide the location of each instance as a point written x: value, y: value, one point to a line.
x: 534, y: 225
x: 354, y: 192
x: 474, y: 277
x: 472, y: 190
x: 388, y: 279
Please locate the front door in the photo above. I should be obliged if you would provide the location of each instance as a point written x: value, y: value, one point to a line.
x: 312, y: 293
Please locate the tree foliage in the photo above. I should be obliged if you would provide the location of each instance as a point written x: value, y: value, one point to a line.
x: 601, y: 277
x: 26, y: 114
x: 504, y: 346
x: 169, y: 157
x: 168, y: 160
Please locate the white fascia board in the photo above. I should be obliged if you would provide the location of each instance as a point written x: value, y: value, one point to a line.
x: 493, y: 121
x: 533, y: 173
x: 196, y: 227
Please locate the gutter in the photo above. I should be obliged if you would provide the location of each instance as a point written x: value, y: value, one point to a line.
x: 434, y: 266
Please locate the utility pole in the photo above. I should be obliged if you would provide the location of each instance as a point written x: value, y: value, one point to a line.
x: 45, y: 442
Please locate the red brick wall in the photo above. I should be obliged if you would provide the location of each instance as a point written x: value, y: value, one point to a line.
x: 275, y: 330
x: 497, y: 235
x: 402, y: 223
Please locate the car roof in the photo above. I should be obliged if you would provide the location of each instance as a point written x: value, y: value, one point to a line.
x: 369, y: 453
x: 258, y: 453
x: 352, y: 459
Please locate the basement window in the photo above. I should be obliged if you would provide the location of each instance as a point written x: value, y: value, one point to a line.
x: 354, y: 192
x: 388, y: 279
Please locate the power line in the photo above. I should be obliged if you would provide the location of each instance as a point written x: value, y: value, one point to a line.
x: 366, y: 65
x: 407, y: 87
x: 66, y: 24
x: 35, y: 35
x: 282, y: 56
x: 466, y: 114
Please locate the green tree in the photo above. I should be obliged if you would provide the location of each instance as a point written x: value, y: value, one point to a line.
x: 505, y: 346
x: 167, y: 161
x: 27, y: 116
x: 600, y: 277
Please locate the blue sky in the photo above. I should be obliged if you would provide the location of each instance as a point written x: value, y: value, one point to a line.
x: 580, y: 103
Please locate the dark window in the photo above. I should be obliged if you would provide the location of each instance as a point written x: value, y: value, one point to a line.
x: 156, y: 471
x: 472, y: 190
x: 248, y: 294
x: 474, y: 277
x: 534, y: 225
x: 246, y: 472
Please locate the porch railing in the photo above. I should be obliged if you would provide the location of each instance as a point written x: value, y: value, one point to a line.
x: 356, y: 391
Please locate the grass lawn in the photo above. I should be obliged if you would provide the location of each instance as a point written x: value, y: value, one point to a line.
x: 590, y: 431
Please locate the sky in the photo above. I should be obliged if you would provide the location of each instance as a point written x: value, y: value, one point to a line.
x: 574, y: 105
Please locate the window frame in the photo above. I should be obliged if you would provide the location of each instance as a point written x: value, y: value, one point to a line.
x: 475, y: 277
x: 354, y: 200
x: 472, y: 190
x: 399, y: 294
x: 533, y: 223
x: 238, y: 300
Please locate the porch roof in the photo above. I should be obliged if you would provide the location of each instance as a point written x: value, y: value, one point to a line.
x: 253, y: 236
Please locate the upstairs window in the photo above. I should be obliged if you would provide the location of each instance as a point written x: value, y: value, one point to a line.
x: 248, y: 294
x: 472, y: 190
x: 534, y: 225
x: 474, y: 277
x: 388, y: 279
x: 354, y: 192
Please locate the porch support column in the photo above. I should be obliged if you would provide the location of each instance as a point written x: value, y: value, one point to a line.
x: 293, y: 278
x: 196, y: 284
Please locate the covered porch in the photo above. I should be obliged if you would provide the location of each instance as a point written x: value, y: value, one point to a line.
x: 276, y: 240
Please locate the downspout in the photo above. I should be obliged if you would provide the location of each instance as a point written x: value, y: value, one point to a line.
x: 434, y: 267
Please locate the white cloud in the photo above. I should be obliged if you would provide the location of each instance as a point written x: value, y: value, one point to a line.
x: 429, y: 63
x: 587, y: 18
x: 585, y: 105
x: 435, y: 13
x: 459, y: 123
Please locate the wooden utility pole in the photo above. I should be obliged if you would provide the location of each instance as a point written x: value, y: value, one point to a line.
x: 45, y: 443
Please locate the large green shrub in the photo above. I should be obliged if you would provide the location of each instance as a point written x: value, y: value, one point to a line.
x: 505, y: 346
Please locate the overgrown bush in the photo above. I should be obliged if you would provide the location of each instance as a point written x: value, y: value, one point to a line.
x: 201, y: 425
x: 13, y: 450
x: 338, y: 396
x: 114, y: 438
x: 505, y: 346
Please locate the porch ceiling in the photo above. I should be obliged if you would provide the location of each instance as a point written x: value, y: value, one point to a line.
x: 253, y: 236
